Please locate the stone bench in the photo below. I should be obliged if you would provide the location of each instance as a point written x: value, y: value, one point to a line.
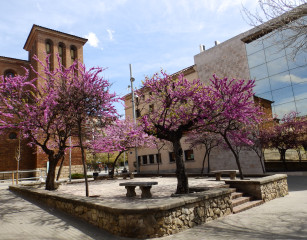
x: 144, y: 186
x: 218, y: 174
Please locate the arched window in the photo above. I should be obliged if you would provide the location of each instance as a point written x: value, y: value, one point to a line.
x: 12, y: 135
x: 9, y: 73
x: 62, y: 53
x: 49, y: 51
x: 73, y: 54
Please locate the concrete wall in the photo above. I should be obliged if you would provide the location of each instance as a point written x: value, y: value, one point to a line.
x: 227, y: 59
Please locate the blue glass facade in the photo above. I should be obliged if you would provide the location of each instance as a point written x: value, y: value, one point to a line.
x: 280, y: 77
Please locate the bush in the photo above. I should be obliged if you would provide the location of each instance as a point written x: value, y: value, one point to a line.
x: 79, y: 176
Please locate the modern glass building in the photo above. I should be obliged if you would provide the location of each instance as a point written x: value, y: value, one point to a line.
x: 281, y: 76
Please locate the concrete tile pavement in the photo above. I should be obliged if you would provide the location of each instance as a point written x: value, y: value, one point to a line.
x: 26, y: 220
x: 283, y: 218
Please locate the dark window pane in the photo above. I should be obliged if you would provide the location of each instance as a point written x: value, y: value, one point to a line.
x: 254, y: 46
x: 9, y: 74
x: 283, y: 109
x: 12, y: 135
x: 262, y: 86
x: 280, y: 81
x: 274, y: 52
x: 283, y: 95
x: 144, y: 159
x: 189, y: 155
x: 267, y: 95
x: 299, y: 75
x: 158, y: 158
x: 300, y: 91
x: 277, y: 66
x: 256, y: 59
x: 259, y: 72
x: 151, y: 158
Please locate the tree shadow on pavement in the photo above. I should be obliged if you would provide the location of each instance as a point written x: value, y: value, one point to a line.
x: 55, y: 218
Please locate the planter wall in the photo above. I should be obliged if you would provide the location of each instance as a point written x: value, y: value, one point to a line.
x: 139, y: 219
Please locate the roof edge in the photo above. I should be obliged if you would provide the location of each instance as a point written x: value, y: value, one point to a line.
x: 37, y: 27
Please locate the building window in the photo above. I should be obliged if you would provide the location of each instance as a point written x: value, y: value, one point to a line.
x: 189, y: 155
x: 49, y: 51
x: 48, y: 47
x: 73, y: 54
x: 172, y: 157
x: 13, y: 135
x: 151, y: 159
x: 138, y: 113
x: 144, y: 159
x: 158, y: 158
x: 280, y: 76
x: 62, y: 54
x: 9, y: 74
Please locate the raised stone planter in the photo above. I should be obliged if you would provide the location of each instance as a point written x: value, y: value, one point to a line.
x: 265, y: 188
x: 139, y: 220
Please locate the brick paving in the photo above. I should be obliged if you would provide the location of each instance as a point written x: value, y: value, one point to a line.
x: 283, y: 218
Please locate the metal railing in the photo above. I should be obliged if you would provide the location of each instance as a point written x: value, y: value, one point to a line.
x: 15, y: 175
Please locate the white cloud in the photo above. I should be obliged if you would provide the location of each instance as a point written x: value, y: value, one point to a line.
x: 111, y: 32
x: 92, y: 39
x: 297, y: 79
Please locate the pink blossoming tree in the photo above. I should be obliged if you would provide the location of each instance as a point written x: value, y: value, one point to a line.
x: 204, y: 139
x: 234, y: 110
x: 178, y: 109
x: 120, y: 136
x: 44, y: 108
x: 289, y: 133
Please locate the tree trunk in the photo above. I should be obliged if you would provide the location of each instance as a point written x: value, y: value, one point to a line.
x: 299, y: 154
x: 60, y: 168
x: 203, y: 165
x: 235, y: 155
x: 209, y: 161
x: 114, y: 163
x: 261, y: 158
x: 158, y: 159
x: 83, y: 159
x: 50, y: 184
x: 182, y: 179
x: 282, y: 153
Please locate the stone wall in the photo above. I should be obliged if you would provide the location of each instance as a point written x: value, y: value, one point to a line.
x: 134, y: 219
x: 266, y: 188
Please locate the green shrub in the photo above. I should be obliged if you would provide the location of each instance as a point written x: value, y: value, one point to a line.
x: 79, y: 176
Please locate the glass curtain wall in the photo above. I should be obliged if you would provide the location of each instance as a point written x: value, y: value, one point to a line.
x: 280, y: 76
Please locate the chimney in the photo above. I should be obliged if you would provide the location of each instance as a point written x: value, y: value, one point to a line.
x: 216, y: 43
x: 202, y: 47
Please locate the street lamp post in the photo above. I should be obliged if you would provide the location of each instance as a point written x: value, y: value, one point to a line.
x: 134, y: 117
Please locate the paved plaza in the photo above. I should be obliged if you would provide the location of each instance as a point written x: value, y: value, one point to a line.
x: 282, y: 218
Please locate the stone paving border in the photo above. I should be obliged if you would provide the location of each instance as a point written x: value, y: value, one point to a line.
x: 164, y: 217
x: 266, y: 188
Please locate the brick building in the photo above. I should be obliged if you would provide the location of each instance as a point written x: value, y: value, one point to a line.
x: 40, y: 41
x: 281, y: 87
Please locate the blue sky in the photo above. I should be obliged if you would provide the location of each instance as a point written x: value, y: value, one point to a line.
x: 149, y: 34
